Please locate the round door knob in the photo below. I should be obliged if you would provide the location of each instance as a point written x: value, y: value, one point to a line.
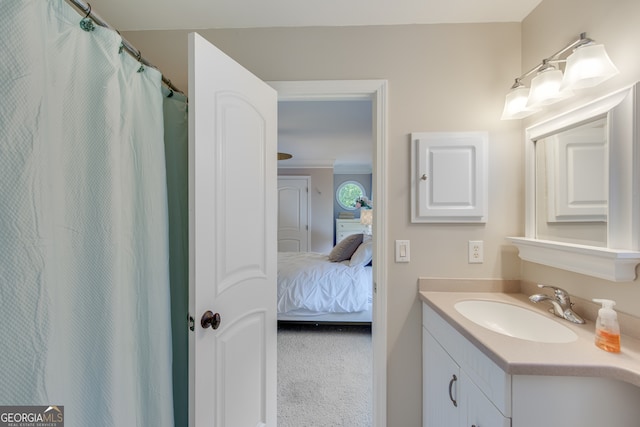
x: 210, y: 318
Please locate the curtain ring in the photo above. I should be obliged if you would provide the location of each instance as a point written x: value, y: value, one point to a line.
x: 86, y: 23
x: 139, y: 58
x: 170, y: 89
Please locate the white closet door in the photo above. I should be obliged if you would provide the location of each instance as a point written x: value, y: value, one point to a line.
x: 293, y: 214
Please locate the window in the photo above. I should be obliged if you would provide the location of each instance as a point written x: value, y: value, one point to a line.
x: 347, y: 194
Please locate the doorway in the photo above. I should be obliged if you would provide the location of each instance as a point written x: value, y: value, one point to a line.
x: 376, y: 92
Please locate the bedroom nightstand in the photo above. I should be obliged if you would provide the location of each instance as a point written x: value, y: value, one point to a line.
x: 347, y: 227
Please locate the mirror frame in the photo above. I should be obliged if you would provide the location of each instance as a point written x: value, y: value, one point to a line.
x: 617, y: 262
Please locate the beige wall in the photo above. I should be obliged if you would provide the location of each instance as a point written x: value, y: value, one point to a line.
x: 321, y: 196
x: 614, y: 23
x: 441, y: 78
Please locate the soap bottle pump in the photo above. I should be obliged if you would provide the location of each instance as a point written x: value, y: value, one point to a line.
x: 607, y: 327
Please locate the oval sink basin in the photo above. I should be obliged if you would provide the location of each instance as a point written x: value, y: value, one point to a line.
x: 515, y: 321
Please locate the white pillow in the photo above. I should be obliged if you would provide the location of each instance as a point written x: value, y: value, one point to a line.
x: 363, y: 255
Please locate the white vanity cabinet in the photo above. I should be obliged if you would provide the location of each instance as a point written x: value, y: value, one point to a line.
x: 451, y: 398
x: 486, y: 396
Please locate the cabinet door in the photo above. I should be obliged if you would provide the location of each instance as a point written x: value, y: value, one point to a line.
x: 449, y: 175
x: 440, y: 385
x: 479, y: 410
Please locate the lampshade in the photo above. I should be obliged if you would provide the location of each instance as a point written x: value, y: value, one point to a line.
x: 515, y: 104
x: 366, y: 219
x: 545, y: 88
x: 588, y: 66
x: 366, y: 216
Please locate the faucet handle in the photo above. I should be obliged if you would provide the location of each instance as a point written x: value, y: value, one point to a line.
x: 561, y: 295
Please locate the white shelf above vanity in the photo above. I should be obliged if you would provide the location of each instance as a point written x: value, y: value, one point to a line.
x: 608, y: 264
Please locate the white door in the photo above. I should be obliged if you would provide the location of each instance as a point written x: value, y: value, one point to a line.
x: 293, y: 214
x: 232, y: 242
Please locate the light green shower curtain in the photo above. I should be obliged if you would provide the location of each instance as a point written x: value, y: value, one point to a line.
x: 84, y: 253
x: 176, y: 140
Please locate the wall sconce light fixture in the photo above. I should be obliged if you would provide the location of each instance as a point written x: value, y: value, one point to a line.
x: 587, y: 66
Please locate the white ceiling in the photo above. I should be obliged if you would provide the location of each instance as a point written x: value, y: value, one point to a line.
x: 317, y: 133
x: 334, y: 134
x: 128, y: 15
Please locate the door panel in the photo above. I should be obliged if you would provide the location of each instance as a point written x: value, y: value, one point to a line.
x: 232, y: 241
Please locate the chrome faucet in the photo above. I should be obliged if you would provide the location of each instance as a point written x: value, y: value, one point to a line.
x: 561, y: 303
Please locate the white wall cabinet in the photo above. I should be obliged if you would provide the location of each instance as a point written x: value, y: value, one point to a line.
x: 449, y: 177
x: 486, y: 396
x: 347, y: 227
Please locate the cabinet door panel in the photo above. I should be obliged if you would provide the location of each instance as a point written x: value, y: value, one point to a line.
x: 479, y: 410
x: 440, y: 385
x: 449, y: 177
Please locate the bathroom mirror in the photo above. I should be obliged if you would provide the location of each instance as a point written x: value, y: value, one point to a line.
x: 572, y: 178
x: 582, y: 189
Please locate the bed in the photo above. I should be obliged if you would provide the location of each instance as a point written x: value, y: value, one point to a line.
x: 335, y: 287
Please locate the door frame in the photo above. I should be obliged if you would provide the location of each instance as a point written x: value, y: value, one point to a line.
x: 375, y: 91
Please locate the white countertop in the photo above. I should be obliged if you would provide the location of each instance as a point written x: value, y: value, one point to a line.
x: 521, y: 357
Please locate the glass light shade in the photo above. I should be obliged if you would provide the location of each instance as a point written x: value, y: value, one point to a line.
x: 515, y: 104
x: 588, y: 66
x: 545, y: 88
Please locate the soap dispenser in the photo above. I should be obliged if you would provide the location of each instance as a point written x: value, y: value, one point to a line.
x: 607, y: 327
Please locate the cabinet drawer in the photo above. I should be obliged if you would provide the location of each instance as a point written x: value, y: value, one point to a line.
x: 347, y: 227
x: 342, y: 234
x: 355, y: 226
x: 489, y: 377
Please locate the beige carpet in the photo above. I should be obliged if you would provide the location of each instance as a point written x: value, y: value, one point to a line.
x: 324, y: 376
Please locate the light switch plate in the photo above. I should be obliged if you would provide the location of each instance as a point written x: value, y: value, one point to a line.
x: 403, y: 251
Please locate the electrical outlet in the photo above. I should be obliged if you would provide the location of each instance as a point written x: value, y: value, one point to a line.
x: 476, y: 252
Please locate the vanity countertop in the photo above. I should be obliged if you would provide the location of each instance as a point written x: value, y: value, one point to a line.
x: 521, y: 357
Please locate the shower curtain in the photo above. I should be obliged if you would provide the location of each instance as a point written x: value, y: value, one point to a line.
x: 176, y: 140
x: 84, y: 252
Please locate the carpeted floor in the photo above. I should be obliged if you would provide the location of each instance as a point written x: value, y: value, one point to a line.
x: 324, y: 376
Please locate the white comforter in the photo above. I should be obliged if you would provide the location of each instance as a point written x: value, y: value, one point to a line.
x: 309, y: 281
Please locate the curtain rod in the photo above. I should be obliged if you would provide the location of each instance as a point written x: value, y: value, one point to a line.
x: 131, y: 50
